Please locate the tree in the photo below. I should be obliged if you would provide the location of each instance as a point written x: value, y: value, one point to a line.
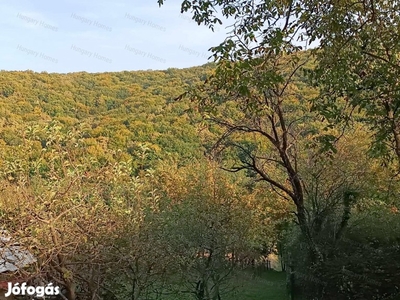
x: 358, y: 68
x: 250, y: 92
x: 255, y: 72
x: 356, y: 49
x: 254, y: 102
x: 71, y: 208
x: 208, y: 224
x: 338, y: 193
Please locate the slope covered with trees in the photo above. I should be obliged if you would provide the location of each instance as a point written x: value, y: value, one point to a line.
x: 114, y: 182
x: 121, y: 110
x: 104, y: 179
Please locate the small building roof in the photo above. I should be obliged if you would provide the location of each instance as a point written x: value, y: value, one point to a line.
x: 13, y: 256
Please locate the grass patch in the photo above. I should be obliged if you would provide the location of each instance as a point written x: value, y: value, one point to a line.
x: 247, y: 285
x: 268, y: 285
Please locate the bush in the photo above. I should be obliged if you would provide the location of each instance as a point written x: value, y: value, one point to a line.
x: 364, y: 263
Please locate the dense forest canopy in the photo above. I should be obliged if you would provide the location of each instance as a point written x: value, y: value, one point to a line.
x: 122, y: 110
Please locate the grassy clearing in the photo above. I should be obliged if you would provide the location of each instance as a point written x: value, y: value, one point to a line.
x: 269, y: 285
x: 249, y: 285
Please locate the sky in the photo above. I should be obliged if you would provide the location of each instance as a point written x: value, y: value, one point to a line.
x: 66, y: 36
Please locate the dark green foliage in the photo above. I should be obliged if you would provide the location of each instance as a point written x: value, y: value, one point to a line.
x: 363, y: 263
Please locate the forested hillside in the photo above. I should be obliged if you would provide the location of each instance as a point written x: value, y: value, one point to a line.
x: 104, y: 179
x: 172, y: 184
x: 186, y: 183
x: 121, y: 110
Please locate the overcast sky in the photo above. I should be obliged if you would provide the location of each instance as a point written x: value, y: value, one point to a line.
x: 101, y: 35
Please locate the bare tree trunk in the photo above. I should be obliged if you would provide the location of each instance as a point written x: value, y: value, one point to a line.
x: 62, y: 269
x: 395, y: 128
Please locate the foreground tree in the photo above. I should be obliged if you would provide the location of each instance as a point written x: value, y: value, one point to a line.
x: 261, y: 119
x: 205, y: 224
x: 69, y: 207
x: 356, y: 49
x: 210, y: 224
x: 358, y: 68
x: 249, y: 95
x: 256, y: 78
